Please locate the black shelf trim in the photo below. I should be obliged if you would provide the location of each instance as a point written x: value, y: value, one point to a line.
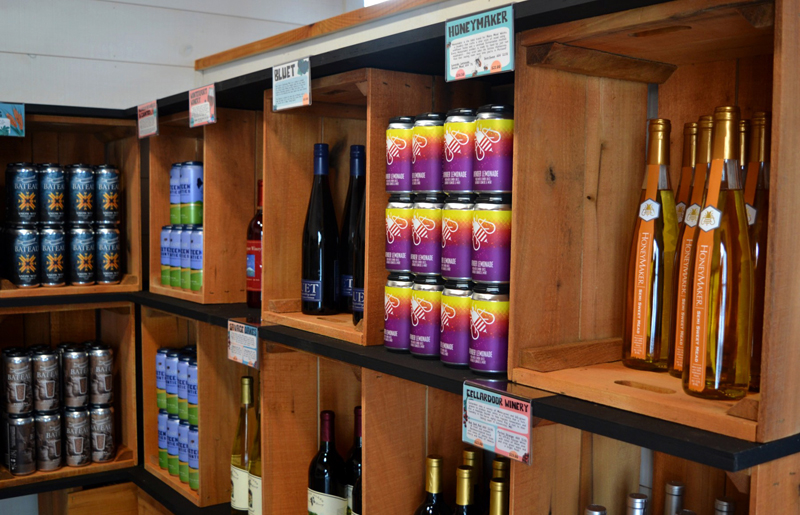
x: 40, y: 487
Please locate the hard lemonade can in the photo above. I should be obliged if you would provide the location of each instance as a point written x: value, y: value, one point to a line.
x: 175, y: 194
x: 175, y: 255
x: 488, y: 347
x: 196, y: 259
x: 491, y: 239
x: 192, y: 192
x: 397, y: 311
x: 494, y: 149
x: 398, y: 233
x: 459, y: 149
x: 454, y: 337
x: 163, y: 456
x: 165, y: 254
x: 426, y: 234
x: 457, y: 238
x: 427, y: 143
x: 426, y: 311
x: 398, y: 154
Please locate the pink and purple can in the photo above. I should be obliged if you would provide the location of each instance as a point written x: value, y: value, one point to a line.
x: 454, y: 337
x: 398, y: 154
x: 491, y: 239
x: 426, y: 234
x: 426, y: 313
x: 457, y: 237
x: 494, y: 149
x: 488, y: 346
x: 397, y: 312
x: 399, y: 212
x: 459, y: 150
x: 427, y: 152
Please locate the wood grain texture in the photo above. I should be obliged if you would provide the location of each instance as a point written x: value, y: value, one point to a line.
x: 571, y: 355
x: 774, y: 487
x: 119, y: 499
x: 445, y: 415
x: 340, y: 391
x: 615, y: 472
x: 125, y: 459
x: 149, y: 506
x: 703, y: 483
x: 335, y: 326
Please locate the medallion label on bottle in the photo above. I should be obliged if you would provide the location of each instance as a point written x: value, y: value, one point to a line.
x: 692, y: 215
x: 324, y: 504
x: 312, y: 291
x: 239, y: 488
x: 648, y: 212
x: 255, y: 497
x: 751, y: 181
x: 254, y: 265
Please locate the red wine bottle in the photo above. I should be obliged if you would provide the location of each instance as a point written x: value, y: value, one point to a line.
x: 255, y: 229
x: 357, y: 509
x: 352, y: 205
x: 353, y: 463
x: 320, y: 244
x: 326, y: 474
x: 434, y: 498
x: 358, y: 265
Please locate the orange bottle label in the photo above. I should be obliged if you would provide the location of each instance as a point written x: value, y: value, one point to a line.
x: 649, y: 210
x: 750, y: 185
x: 682, y: 198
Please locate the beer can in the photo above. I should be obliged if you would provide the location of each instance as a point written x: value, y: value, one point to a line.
x: 398, y: 154
x: 459, y: 150
x: 426, y: 314
x: 183, y: 451
x: 183, y: 371
x: 457, y: 238
x: 80, y: 194
x: 175, y: 194
x: 161, y: 378
x: 491, y: 239
x: 48, y: 440
x: 21, y: 441
x: 426, y: 234
x: 109, y: 254
x: 172, y: 381
x: 397, y: 311
x: 61, y: 348
x: 165, y: 259
x: 194, y: 458
x: 22, y: 194
x: 196, y: 258
x: 191, y: 391
x: 78, y: 430
x: 163, y: 456
x: 24, y: 256
x: 76, y: 376
x: 494, y: 149
x: 399, y: 213
x: 185, y: 257
x: 454, y: 337
x: 175, y: 255
x: 17, y: 374
x: 173, y: 424
x: 488, y: 347
x: 46, y: 380
x: 101, y: 378
x: 109, y: 194
x: 53, y: 246
x: 52, y: 190
x: 192, y: 192
x: 427, y: 143
x: 82, y: 251
x: 103, y: 447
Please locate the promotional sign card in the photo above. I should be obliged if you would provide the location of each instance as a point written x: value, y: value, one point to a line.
x: 148, y: 119
x: 12, y: 120
x: 291, y: 84
x: 479, y: 44
x: 202, y: 106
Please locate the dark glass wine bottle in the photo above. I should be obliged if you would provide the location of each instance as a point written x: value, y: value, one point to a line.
x: 347, y: 240
x: 357, y: 509
x: 498, y: 496
x: 320, y: 243
x: 353, y: 463
x: 358, y: 265
x: 255, y: 230
x: 472, y: 457
x: 327, y: 481
x: 465, y: 502
x: 434, y: 498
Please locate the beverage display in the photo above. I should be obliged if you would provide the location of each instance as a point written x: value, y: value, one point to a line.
x: 255, y: 492
x: 191, y: 193
x: 427, y: 145
x: 82, y: 255
x: 240, y: 454
x: 494, y: 149
x: 327, y: 475
x: 353, y: 464
x: 109, y: 270
x: 81, y: 194
x: 359, y: 259
x: 183, y: 451
x: 102, y: 426
x: 173, y: 430
x: 454, y: 338
x: 426, y: 234
x: 20, y: 435
x: 108, y: 187
x: 397, y: 312
x: 255, y: 230
x: 46, y: 380
x: 175, y: 194
x: 163, y: 454
x: 52, y: 243
x: 457, y: 219
x: 52, y: 188
x: 399, y: 213
x: 426, y: 312
x: 78, y: 431
x: 196, y: 259
x: 459, y: 150
x: 434, y: 503
x: 488, y: 346
x: 648, y: 309
x: 398, y: 154
x: 673, y: 497
x: 491, y: 239
x: 465, y: 502
x: 49, y: 440
x: 636, y: 505
x: 22, y: 194
x: 101, y: 379
x: 354, y: 202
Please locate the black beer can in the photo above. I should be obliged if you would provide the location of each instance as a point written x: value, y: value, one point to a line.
x: 82, y: 252
x: 22, y: 194
x: 107, y: 242
x: 108, y: 188
x: 23, y: 254
x: 52, y: 193
x: 52, y: 244
x: 80, y: 194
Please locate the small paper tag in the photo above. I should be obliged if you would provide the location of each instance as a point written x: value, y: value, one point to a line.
x: 291, y: 84
x: 202, y: 106
x: 12, y: 120
x: 479, y: 44
x: 148, y: 119
x: 243, y: 343
x: 496, y: 421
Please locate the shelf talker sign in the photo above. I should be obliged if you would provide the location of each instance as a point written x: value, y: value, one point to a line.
x: 497, y: 421
x: 291, y: 84
x: 479, y: 44
x: 148, y: 119
x: 243, y: 342
x: 202, y: 106
x: 12, y: 120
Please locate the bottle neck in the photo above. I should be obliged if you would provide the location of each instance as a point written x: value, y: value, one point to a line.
x: 663, y: 177
x: 247, y: 395
x: 326, y: 434
x: 320, y: 166
x: 260, y: 197
x: 358, y: 167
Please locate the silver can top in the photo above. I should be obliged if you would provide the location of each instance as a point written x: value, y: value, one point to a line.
x: 595, y: 509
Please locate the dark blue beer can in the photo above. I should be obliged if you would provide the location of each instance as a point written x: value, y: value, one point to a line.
x: 52, y: 192
x: 24, y: 262
x: 82, y: 252
x: 53, y: 248
x: 81, y: 196
x: 109, y: 194
x: 109, y: 254
x: 22, y: 194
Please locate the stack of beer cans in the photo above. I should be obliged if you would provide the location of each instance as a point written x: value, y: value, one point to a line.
x: 62, y: 226
x: 448, y: 236
x: 182, y: 240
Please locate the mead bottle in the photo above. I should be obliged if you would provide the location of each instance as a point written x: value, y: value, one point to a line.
x: 720, y: 328
x: 649, y: 300
x: 756, y: 199
x: 681, y: 287
x: 685, y: 184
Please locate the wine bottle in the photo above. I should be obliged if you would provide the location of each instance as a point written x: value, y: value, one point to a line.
x: 649, y: 301
x: 358, y: 265
x: 685, y: 183
x: 686, y: 512
x: 255, y: 497
x: 744, y: 136
x: 686, y: 237
x: 756, y: 198
x: 501, y: 468
x: 720, y: 328
x: 242, y: 441
x: 498, y: 497
x: 327, y: 492
x: 673, y: 497
x: 473, y: 458
x: 724, y: 506
x: 637, y: 504
x: 255, y: 229
x: 465, y: 487
x: 595, y: 509
x: 357, y: 509
x: 434, y: 498
x: 352, y: 207
x: 320, y: 244
x: 353, y: 463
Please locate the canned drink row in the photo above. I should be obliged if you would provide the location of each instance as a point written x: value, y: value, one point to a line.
x: 462, y: 151
x: 179, y: 448
x: 459, y: 237
x: 459, y: 322
x: 182, y: 256
x: 48, y: 193
x: 53, y: 257
x: 176, y: 382
x: 186, y: 193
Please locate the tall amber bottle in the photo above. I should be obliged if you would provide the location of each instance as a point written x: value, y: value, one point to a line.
x: 648, y: 307
x: 744, y: 149
x: 756, y: 198
x: 720, y: 329
x: 684, y: 191
x: 681, y: 285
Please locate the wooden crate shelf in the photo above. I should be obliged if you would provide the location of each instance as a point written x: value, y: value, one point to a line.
x: 68, y: 140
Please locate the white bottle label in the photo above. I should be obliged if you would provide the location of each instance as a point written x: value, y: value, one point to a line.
x: 324, y: 504
x: 349, y: 490
x: 255, y: 498
x: 239, y: 488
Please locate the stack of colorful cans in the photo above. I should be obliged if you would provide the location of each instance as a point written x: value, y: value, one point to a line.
x: 176, y: 396
x: 62, y: 227
x: 57, y: 407
x: 182, y: 240
x: 448, y: 236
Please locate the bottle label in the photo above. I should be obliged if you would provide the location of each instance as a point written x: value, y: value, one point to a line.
x: 254, y: 265
x: 255, y: 497
x: 324, y: 504
x: 751, y: 181
x: 349, y: 491
x: 239, y: 488
x: 312, y: 291
x: 358, y: 300
x: 347, y: 285
x: 682, y: 197
x: 648, y: 212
